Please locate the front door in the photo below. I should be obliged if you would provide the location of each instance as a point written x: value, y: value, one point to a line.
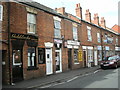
x: 58, y: 61
x: 84, y: 52
x: 49, y: 67
x: 95, y: 58
x: 17, y: 70
x: 69, y: 58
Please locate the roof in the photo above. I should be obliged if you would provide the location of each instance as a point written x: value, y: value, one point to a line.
x: 39, y: 6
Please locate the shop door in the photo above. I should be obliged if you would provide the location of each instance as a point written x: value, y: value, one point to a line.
x: 95, y: 58
x: 17, y: 70
x: 49, y: 67
x: 69, y: 58
x: 4, y: 54
x: 85, y: 59
x: 58, y: 61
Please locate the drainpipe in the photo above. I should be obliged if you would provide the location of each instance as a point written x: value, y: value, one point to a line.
x: 102, y: 43
x: 10, y: 68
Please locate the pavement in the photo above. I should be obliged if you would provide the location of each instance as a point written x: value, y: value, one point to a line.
x: 45, y: 80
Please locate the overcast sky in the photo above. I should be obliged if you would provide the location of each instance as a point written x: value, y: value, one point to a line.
x: 104, y: 8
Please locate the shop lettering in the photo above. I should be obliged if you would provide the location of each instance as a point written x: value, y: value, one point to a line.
x: 20, y: 36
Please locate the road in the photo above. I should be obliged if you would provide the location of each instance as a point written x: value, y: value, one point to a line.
x: 100, y: 79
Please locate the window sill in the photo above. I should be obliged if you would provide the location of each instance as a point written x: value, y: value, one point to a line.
x: 32, y: 68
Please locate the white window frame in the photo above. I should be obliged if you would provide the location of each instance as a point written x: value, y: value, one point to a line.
x: 89, y: 33
x: 1, y: 13
x: 57, y: 28
x: 33, y: 32
x: 75, y: 33
x: 116, y: 40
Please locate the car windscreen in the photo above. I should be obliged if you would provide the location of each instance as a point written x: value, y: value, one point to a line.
x: 113, y: 58
x: 105, y: 58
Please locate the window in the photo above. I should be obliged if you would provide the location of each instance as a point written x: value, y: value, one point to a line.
x: 76, y: 56
x: 41, y: 55
x: 1, y: 12
x: 57, y: 27
x: 89, y: 34
x: 75, y: 36
x: 116, y: 41
x: 98, y: 37
x: 31, y: 23
x: 31, y: 57
x: 90, y: 55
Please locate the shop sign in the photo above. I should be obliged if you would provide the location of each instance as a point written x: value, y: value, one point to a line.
x: 48, y: 45
x: 76, y: 47
x: 23, y: 36
x: 80, y: 55
x: 70, y: 42
x: 117, y: 48
x: 57, y: 41
x: 69, y: 46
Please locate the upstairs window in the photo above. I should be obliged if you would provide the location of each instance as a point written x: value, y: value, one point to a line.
x: 98, y: 37
x: 75, y: 34
x: 89, y: 33
x: 1, y: 12
x: 116, y: 41
x: 57, y: 27
x: 31, y: 23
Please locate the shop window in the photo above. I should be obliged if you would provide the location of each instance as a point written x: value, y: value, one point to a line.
x: 76, y: 57
x: 90, y: 56
x: 41, y: 55
x: 31, y: 23
x: 75, y: 35
x: 57, y: 27
x: 31, y: 57
x: 1, y: 12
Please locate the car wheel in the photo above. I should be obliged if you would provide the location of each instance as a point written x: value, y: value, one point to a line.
x: 116, y: 66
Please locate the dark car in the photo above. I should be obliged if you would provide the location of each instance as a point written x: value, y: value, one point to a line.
x: 110, y: 62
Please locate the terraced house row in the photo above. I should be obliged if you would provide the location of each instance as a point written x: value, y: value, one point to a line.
x: 37, y: 40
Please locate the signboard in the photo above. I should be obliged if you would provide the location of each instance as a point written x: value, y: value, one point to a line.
x: 23, y: 36
x: 80, y: 55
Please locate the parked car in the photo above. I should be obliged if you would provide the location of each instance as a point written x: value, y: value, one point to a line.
x: 110, y: 62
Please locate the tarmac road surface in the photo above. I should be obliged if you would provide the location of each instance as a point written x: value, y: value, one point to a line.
x: 109, y: 78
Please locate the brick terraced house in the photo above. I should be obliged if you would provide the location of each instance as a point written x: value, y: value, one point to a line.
x: 37, y: 40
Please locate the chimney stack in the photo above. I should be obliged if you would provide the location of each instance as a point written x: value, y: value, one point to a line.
x: 60, y: 10
x: 88, y: 15
x: 96, y: 19
x: 78, y: 10
x: 103, y: 23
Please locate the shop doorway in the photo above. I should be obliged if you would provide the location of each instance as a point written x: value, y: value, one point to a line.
x: 58, y: 61
x: 85, y: 62
x: 69, y: 58
x: 49, y: 65
x: 4, y: 58
x: 95, y: 58
x: 17, y: 68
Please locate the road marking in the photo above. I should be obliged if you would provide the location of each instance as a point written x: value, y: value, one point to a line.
x: 72, y: 79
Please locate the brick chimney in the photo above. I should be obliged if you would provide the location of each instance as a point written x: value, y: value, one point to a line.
x: 78, y: 10
x: 96, y: 19
x: 88, y: 15
x: 61, y: 10
x: 103, y: 23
